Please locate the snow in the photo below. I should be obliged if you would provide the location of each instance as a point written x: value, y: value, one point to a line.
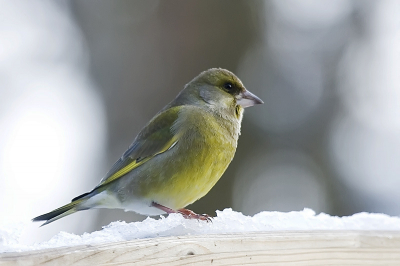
x: 227, y: 221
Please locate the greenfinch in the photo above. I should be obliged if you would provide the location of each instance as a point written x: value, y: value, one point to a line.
x: 178, y: 156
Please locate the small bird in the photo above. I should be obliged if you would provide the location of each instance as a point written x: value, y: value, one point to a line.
x: 178, y: 156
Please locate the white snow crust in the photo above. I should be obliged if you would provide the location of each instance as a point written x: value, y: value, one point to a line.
x: 226, y: 221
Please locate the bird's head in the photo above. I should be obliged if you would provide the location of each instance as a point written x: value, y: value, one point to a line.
x: 221, y: 88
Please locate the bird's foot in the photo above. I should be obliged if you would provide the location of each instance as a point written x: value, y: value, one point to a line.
x: 188, y: 214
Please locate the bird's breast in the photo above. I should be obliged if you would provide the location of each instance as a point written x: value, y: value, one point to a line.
x: 193, y: 166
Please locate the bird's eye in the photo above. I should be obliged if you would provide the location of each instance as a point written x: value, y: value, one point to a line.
x: 228, y: 86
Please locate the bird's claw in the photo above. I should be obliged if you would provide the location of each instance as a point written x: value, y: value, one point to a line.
x: 188, y: 214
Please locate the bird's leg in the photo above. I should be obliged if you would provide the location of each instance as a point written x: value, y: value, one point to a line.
x: 163, y: 208
x: 188, y: 214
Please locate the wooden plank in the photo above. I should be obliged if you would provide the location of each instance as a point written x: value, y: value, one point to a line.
x: 261, y: 248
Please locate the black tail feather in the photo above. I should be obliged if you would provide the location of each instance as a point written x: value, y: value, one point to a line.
x: 56, y: 214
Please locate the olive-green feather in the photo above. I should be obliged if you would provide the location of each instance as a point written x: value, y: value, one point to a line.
x: 179, y: 155
x: 155, y: 138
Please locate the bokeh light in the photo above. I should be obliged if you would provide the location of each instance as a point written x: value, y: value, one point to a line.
x: 79, y: 79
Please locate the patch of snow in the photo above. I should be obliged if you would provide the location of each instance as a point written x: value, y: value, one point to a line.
x: 227, y: 221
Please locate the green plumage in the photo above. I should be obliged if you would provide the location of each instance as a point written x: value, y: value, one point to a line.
x: 178, y: 156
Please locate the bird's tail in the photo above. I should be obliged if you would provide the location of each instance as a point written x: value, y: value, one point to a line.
x: 70, y: 208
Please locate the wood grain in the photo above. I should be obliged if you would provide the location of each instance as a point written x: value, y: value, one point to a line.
x: 262, y: 248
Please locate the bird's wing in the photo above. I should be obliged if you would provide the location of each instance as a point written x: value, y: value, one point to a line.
x: 157, y: 137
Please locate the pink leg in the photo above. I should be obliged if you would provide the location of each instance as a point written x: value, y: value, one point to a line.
x: 187, y: 214
x: 163, y: 208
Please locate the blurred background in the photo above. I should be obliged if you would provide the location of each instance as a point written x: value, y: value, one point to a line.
x: 79, y: 79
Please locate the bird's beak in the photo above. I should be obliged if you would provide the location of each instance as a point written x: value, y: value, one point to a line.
x: 247, y: 99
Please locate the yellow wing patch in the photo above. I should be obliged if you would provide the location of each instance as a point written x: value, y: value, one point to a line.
x: 125, y: 170
x: 155, y: 138
x: 134, y: 164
